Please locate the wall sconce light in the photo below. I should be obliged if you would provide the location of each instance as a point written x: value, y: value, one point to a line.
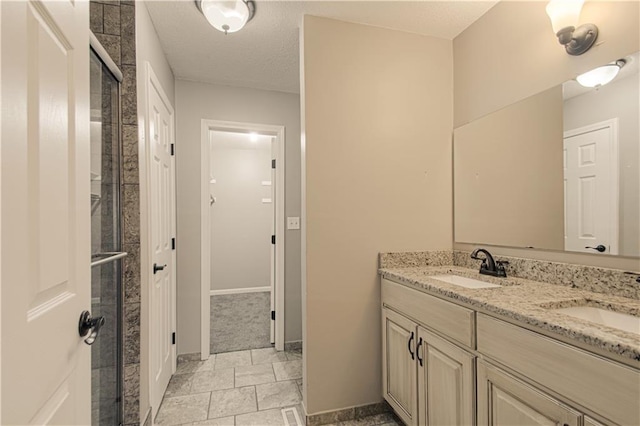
x: 602, y: 75
x: 564, y: 16
x: 227, y: 16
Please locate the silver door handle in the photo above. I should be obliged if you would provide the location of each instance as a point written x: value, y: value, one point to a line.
x: 211, y: 199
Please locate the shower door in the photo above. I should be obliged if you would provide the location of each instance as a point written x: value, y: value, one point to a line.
x: 106, y: 246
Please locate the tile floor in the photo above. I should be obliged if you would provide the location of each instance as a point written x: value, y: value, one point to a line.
x: 242, y: 388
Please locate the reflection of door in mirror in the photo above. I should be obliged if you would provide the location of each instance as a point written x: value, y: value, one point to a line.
x: 591, y: 188
x: 617, y: 106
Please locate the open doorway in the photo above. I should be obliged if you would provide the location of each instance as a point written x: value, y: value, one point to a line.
x: 242, y: 242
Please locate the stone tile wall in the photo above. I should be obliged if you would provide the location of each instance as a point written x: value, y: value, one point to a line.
x: 113, y: 23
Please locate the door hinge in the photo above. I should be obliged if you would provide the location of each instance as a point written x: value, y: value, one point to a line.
x: 273, y: 164
x: 173, y: 338
x: 173, y: 149
x: 273, y: 315
x: 173, y: 244
x: 273, y: 239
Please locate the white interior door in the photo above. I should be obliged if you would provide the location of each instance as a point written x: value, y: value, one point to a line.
x: 45, y: 212
x: 162, y: 225
x: 272, y: 272
x: 590, y: 178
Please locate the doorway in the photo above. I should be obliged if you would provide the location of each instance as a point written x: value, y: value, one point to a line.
x: 243, y: 237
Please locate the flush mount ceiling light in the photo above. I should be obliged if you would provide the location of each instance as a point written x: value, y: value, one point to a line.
x: 564, y: 16
x: 601, y: 75
x: 227, y: 16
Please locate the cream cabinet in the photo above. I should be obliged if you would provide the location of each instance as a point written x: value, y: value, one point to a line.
x: 399, y: 372
x: 446, y: 382
x: 505, y: 400
x: 427, y: 379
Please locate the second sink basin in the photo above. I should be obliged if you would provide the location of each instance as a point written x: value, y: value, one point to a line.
x: 605, y: 317
x: 463, y: 281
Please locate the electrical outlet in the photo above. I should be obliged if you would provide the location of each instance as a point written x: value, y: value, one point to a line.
x: 293, y: 223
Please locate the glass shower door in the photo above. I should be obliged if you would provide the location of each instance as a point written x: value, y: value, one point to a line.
x: 106, y: 246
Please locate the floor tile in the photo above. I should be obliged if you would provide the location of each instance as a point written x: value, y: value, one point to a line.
x: 288, y: 370
x: 292, y: 356
x: 212, y: 380
x: 232, y: 359
x: 195, y: 366
x: 262, y: 418
x: 232, y: 402
x: 254, y: 375
x: 183, y: 409
x: 223, y: 421
x: 376, y: 420
x: 280, y: 394
x: 179, y: 385
x: 267, y: 355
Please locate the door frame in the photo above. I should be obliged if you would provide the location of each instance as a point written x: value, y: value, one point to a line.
x: 614, y: 189
x: 278, y: 132
x: 144, y: 154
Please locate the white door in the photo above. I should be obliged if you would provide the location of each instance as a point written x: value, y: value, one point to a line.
x: 590, y: 179
x: 45, y: 212
x: 162, y: 225
x: 272, y: 273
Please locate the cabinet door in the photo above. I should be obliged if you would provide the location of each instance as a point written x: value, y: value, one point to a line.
x: 446, y: 382
x: 507, y: 401
x: 399, y: 365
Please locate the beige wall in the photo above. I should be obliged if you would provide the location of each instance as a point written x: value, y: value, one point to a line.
x: 620, y: 100
x: 148, y: 49
x: 378, y: 123
x: 508, y: 175
x: 241, y: 224
x: 195, y: 101
x: 511, y: 53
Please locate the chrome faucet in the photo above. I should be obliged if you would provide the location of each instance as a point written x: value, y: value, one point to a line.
x: 489, y: 266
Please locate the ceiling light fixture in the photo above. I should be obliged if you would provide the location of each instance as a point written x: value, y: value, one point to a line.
x: 564, y: 16
x: 253, y: 136
x: 601, y: 75
x: 227, y: 16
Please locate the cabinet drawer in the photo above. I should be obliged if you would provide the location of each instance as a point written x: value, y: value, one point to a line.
x: 610, y: 389
x: 451, y: 320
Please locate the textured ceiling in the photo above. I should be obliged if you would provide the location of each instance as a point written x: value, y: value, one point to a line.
x: 265, y: 53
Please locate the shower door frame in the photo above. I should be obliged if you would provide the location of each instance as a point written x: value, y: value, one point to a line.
x: 114, y: 70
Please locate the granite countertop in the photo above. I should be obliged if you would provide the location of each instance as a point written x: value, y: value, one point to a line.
x: 529, y: 302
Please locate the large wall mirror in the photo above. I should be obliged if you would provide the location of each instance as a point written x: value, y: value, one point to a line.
x: 558, y: 171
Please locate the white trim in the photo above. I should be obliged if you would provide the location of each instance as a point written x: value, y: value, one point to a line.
x: 614, y: 193
x: 239, y: 291
x: 144, y: 154
x: 205, y: 245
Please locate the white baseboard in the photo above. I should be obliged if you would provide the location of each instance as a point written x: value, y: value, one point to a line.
x: 239, y: 291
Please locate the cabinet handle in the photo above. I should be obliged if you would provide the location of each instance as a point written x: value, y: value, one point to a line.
x: 413, y: 355
x: 418, y: 351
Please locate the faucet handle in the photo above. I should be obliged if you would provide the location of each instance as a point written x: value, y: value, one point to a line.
x: 502, y: 262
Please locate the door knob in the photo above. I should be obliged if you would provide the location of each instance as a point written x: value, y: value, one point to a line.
x: 90, y: 326
x: 599, y: 248
x: 157, y: 268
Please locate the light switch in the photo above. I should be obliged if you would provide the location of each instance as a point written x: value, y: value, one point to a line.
x: 293, y: 223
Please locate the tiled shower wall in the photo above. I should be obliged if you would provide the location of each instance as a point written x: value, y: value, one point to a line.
x: 113, y: 23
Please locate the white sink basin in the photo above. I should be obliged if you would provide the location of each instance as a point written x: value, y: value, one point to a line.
x: 463, y: 281
x: 612, y: 319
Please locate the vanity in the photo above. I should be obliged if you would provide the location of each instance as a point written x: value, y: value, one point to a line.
x: 460, y: 348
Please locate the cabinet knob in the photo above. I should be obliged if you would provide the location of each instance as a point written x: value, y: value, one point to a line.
x: 413, y: 355
x: 418, y: 351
